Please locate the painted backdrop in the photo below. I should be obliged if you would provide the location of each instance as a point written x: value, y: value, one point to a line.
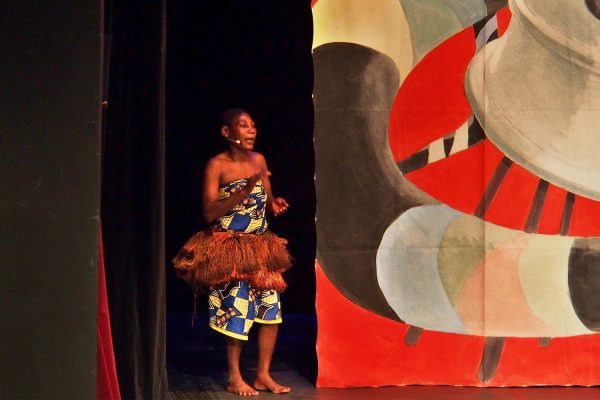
x: 458, y: 191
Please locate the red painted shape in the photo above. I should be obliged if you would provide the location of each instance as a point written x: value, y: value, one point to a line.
x: 552, y: 211
x: 430, y: 104
x: 358, y: 348
x: 512, y: 202
x: 566, y: 361
x: 459, y: 180
x: 503, y: 18
x: 312, y: 3
x: 585, y: 220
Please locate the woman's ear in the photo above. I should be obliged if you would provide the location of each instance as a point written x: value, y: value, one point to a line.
x: 225, y: 131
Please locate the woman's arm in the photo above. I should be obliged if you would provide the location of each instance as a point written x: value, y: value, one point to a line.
x: 277, y: 205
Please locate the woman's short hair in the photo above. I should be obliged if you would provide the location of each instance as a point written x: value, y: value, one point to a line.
x: 228, y: 116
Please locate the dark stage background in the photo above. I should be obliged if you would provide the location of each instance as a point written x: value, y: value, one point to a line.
x: 254, y: 55
x: 133, y: 193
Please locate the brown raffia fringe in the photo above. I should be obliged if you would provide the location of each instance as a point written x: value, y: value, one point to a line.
x: 212, y: 258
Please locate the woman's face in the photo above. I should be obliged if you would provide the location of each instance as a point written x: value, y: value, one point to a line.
x: 243, y: 129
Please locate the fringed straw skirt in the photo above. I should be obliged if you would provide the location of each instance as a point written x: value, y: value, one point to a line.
x: 212, y: 258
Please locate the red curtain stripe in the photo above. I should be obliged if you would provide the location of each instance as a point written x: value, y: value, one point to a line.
x: 107, y: 385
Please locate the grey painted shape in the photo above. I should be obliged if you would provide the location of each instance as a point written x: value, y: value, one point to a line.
x: 49, y: 198
x: 411, y: 338
x: 492, y: 352
x: 584, y: 281
x: 493, y: 6
x: 408, y: 269
x: 359, y: 188
x: 543, y: 118
x: 467, y: 11
x: 431, y: 22
x: 594, y: 7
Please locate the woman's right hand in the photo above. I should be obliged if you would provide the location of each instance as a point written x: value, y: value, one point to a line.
x: 252, y: 180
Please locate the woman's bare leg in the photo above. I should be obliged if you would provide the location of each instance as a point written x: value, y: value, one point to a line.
x: 236, y: 383
x: 267, y: 336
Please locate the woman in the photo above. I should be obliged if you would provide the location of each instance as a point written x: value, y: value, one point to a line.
x: 238, y: 258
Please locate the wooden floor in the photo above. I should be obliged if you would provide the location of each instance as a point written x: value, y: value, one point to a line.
x: 197, y: 369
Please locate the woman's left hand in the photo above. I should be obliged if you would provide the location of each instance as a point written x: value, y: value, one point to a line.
x: 279, y: 206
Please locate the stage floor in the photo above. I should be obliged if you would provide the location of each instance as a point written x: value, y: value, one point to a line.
x: 197, y: 369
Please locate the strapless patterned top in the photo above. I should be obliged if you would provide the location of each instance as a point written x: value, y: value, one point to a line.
x: 248, y: 216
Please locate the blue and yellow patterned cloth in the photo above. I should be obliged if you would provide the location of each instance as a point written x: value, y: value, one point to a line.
x: 248, y: 216
x: 235, y: 306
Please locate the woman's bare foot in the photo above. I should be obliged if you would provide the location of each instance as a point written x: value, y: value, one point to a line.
x: 267, y: 383
x: 241, y: 388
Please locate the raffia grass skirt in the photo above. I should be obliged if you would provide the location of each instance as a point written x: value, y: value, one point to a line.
x: 212, y: 258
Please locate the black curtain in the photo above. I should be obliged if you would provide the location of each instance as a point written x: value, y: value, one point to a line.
x: 49, y: 198
x: 133, y: 193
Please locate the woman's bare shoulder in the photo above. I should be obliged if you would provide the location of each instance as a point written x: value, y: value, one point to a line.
x: 258, y: 158
x: 216, y: 164
x: 218, y: 159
